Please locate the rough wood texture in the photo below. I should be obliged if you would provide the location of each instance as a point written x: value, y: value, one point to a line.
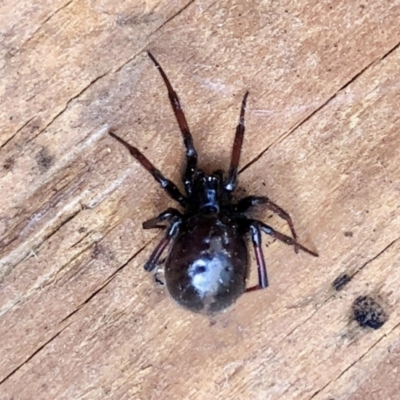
x: 80, y: 319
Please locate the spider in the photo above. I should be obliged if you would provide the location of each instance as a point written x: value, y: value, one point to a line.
x: 207, y: 264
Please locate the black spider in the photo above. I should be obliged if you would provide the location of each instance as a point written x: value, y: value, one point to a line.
x: 207, y: 263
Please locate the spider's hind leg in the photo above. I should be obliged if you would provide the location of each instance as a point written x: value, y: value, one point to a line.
x: 261, y: 268
x: 251, y: 201
x: 248, y: 202
x: 168, y: 214
x: 280, y: 236
x: 172, y: 230
x: 255, y: 228
x: 157, y: 273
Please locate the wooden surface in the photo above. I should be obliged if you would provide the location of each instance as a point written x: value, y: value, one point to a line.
x: 80, y: 319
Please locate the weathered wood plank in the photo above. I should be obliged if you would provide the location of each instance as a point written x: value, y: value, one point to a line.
x: 79, y: 316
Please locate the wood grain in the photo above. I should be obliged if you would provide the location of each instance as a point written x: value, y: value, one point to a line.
x: 80, y: 319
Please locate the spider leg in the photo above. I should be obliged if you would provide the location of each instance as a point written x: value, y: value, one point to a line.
x: 165, y: 183
x: 172, y: 230
x: 248, y: 202
x: 261, y: 268
x: 231, y: 181
x: 191, y: 154
x: 280, y: 236
x: 165, y: 215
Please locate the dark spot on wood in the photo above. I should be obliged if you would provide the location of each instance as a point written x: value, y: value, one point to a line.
x: 348, y: 234
x: 84, y: 206
x: 11, y: 52
x: 8, y: 163
x: 341, y: 281
x: 96, y: 250
x: 81, y: 229
x: 44, y: 159
x: 368, y: 312
x: 126, y: 20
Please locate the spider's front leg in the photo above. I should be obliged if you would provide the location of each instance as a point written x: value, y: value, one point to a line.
x: 191, y: 154
x: 231, y: 181
x: 165, y: 183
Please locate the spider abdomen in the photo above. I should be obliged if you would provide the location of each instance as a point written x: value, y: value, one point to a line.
x: 207, y: 265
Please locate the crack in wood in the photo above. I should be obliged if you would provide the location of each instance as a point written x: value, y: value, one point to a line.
x: 392, y: 50
x: 34, y: 33
x: 86, y: 301
x: 129, y: 60
x: 173, y: 16
x: 92, y: 82
x: 349, y: 366
x: 32, y: 355
x: 16, y: 133
x: 375, y: 257
x: 26, y: 253
x: 317, y: 109
x: 103, y: 285
x: 319, y: 308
